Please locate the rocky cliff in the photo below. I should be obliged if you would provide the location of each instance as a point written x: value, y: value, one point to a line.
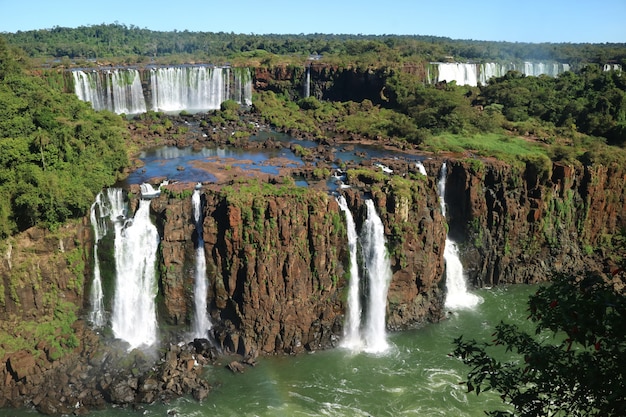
x: 277, y: 262
x: 521, y: 224
x: 330, y: 82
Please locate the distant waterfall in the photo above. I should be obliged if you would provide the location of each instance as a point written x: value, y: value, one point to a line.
x: 378, y: 271
x: 188, y: 88
x: 201, y: 322
x: 117, y: 90
x: 171, y: 89
x: 352, y: 330
x: 457, y: 296
x: 462, y: 74
x: 136, y: 241
x: 97, y: 215
x: 307, y: 82
x: 471, y: 74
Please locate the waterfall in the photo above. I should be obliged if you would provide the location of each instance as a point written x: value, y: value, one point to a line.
x: 201, y: 322
x: 97, y: 215
x: 190, y: 88
x: 307, y: 82
x: 457, y: 296
x: 117, y: 90
x: 198, y: 88
x: 378, y: 271
x: 421, y: 168
x: 352, y: 333
x: 136, y: 241
x: 472, y: 74
x: 462, y: 74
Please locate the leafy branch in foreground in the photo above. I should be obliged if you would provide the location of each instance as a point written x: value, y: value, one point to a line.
x: 580, y: 371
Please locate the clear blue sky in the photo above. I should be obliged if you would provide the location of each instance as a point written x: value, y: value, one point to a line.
x: 574, y: 21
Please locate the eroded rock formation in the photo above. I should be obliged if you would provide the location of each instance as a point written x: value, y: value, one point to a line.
x: 277, y: 263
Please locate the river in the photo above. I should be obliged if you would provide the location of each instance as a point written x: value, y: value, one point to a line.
x: 414, y: 377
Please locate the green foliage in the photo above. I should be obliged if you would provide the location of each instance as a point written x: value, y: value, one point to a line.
x: 244, y: 192
x: 122, y: 44
x: 592, y: 102
x: 184, y: 194
x: 56, y: 153
x: 580, y: 372
x: 367, y: 176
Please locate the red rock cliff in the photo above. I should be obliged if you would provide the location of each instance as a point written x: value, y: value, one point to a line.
x: 277, y: 263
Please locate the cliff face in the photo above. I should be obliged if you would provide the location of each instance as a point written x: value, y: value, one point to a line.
x: 277, y: 261
x: 39, y: 268
x: 524, y: 224
x: 327, y: 82
x: 277, y: 264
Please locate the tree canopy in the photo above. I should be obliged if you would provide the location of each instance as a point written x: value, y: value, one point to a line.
x: 56, y: 152
x: 581, y: 371
x: 119, y: 40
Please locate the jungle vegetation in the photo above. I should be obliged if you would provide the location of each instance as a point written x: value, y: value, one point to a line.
x: 56, y: 152
x: 121, y: 43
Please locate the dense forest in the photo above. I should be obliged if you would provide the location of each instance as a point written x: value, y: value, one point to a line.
x: 106, y: 42
x: 56, y: 152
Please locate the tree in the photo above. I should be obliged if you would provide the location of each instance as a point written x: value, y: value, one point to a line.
x: 580, y: 371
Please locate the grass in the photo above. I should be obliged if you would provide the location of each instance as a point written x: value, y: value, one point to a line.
x: 508, y: 148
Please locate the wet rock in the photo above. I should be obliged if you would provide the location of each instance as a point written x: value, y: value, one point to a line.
x: 236, y: 367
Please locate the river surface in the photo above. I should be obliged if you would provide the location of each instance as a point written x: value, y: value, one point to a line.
x: 415, y: 377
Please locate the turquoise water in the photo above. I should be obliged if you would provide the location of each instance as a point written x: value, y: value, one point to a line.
x: 416, y: 377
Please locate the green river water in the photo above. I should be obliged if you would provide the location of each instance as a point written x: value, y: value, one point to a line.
x: 416, y: 377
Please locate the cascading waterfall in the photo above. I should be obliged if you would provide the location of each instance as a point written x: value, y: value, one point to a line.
x: 201, y: 322
x: 457, y: 296
x: 97, y: 214
x: 133, y: 317
x: 471, y: 74
x: 117, y: 90
x: 421, y: 168
x: 378, y: 271
x: 307, y: 82
x: 188, y: 88
x: 462, y: 74
x: 352, y: 330
x: 191, y: 88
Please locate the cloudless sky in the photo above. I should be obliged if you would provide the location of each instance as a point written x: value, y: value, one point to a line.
x: 575, y: 21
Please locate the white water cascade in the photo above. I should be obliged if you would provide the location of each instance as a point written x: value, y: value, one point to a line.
x: 471, y: 74
x: 352, y: 330
x: 97, y: 214
x: 378, y: 271
x: 117, y: 90
x: 133, y: 317
x: 201, y: 322
x: 187, y: 88
x: 421, y: 168
x: 457, y: 296
x: 190, y: 88
x: 307, y: 82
